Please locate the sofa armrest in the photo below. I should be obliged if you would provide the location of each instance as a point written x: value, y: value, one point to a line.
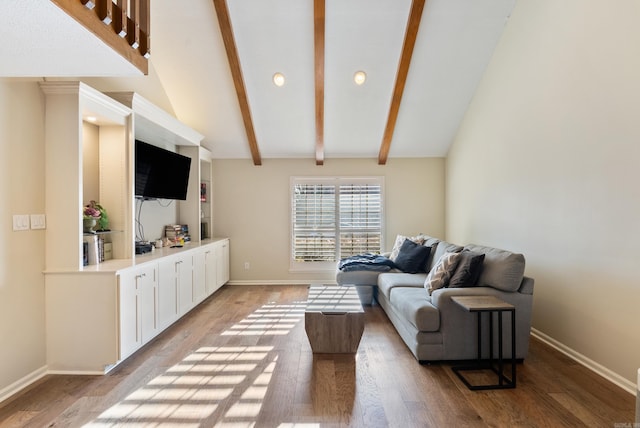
x: 526, y: 286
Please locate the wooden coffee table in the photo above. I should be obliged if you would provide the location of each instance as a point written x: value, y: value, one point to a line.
x: 333, y: 319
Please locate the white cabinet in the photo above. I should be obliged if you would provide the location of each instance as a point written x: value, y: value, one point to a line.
x: 216, y: 262
x: 138, y: 298
x: 97, y: 317
x: 223, y: 263
x: 210, y: 269
x: 199, y: 277
x: 147, y: 285
x: 168, y: 310
x: 184, y: 281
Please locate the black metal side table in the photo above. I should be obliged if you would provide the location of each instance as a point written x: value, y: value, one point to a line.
x: 491, y: 305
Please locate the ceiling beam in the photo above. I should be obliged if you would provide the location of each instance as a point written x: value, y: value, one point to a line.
x: 318, y: 37
x: 238, y: 80
x: 411, y: 33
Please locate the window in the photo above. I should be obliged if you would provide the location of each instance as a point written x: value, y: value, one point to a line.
x: 333, y: 218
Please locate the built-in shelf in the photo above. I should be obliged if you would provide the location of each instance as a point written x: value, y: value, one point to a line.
x: 97, y: 315
x: 102, y: 232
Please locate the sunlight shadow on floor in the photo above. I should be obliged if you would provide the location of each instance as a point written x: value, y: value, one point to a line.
x: 225, y: 384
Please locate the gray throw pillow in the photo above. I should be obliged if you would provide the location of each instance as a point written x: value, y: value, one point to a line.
x: 468, y: 270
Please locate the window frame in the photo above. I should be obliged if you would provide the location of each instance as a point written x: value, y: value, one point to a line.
x: 336, y: 181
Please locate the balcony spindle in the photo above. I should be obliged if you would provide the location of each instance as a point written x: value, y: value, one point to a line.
x: 133, y: 24
x: 105, y: 11
x: 145, y: 39
x: 89, y: 4
x: 120, y: 18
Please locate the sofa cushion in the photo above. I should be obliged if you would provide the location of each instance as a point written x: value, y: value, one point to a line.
x: 439, y: 276
x: 387, y: 281
x: 415, y: 306
x: 412, y: 257
x: 468, y: 270
x: 501, y: 269
x: 441, y: 248
x: 357, y: 277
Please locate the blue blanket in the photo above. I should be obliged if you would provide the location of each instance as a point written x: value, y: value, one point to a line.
x: 373, y: 262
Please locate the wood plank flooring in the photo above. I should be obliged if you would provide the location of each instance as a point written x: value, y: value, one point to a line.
x: 242, y: 359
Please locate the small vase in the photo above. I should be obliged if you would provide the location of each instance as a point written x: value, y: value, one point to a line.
x: 88, y: 224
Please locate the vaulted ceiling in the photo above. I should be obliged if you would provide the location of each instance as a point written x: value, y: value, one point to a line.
x: 453, y: 46
x: 409, y: 106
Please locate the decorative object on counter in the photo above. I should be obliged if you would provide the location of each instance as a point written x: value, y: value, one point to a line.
x: 94, y: 214
x: 90, y: 216
x: 93, y: 250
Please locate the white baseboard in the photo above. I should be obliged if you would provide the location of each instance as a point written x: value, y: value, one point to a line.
x: 282, y: 282
x: 611, y: 376
x: 21, y: 384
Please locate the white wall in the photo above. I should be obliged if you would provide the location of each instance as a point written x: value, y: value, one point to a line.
x: 547, y: 163
x: 153, y: 217
x: 22, y: 329
x: 252, y: 207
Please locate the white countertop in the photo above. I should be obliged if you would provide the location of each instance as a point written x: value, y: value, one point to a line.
x: 113, y: 266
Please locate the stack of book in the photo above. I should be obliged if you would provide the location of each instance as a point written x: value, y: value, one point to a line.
x: 185, y: 232
x: 173, y: 232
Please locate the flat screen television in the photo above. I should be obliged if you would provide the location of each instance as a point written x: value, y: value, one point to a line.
x: 160, y: 173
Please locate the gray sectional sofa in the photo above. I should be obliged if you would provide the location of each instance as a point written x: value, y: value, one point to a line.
x: 433, y: 326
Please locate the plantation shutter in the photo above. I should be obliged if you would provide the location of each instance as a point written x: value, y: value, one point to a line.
x: 360, y: 219
x: 333, y: 218
x: 314, y: 223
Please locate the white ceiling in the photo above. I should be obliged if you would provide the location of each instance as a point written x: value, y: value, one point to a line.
x: 189, y: 63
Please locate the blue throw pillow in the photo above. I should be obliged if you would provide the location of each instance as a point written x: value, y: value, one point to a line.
x: 412, y: 257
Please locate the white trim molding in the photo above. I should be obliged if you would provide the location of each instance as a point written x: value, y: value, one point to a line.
x: 599, y: 369
x: 22, y: 383
x: 304, y: 282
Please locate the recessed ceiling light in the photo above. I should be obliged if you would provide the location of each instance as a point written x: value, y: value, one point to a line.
x: 359, y: 77
x: 91, y: 118
x: 278, y: 79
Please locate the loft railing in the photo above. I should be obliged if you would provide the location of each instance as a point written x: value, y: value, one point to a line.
x: 122, y: 24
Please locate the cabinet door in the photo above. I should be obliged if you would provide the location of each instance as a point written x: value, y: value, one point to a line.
x: 222, y: 263
x: 130, y: 337
x: 211, y: 267
x: 168, y: 310
x: 147, y: 285
x: 138, y: 308
x: 199, y: 277
x: 185, y: 284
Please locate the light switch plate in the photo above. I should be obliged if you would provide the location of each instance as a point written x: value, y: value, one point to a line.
x: 21, y: 222
x: 38, y: 221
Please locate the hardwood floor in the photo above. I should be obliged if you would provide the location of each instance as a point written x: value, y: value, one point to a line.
x: 242, y: 359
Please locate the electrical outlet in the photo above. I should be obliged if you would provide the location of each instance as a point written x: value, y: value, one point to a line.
x: 38, y: 221
x: 247, y: 266
x: 21, y: 222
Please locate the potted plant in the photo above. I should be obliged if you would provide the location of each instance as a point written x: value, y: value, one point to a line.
x: 93, y: 214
